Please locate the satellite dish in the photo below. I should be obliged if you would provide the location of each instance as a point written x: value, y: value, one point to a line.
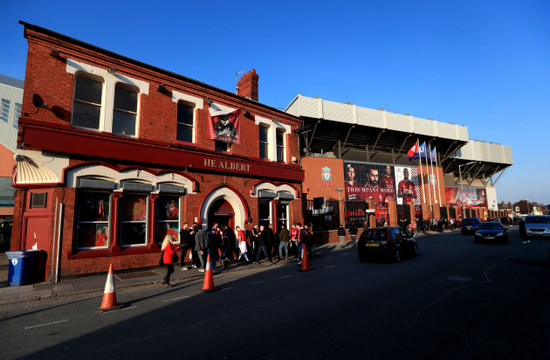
x: 38, y: 101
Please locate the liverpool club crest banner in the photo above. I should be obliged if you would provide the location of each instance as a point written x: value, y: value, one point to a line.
x: 224, y: 125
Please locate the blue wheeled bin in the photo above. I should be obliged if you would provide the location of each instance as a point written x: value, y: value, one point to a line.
x: 25, y: 267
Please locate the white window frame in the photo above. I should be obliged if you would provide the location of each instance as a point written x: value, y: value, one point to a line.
x: 198, y: 103
x: 283, y: 147
x: 262, y: 144
x: 178, y: 221
x: 109, y: 81
x: 128, y: 112
x: 273, y: 126
x: 192, y: 125
x: 121, y: 222
x: 93, y: 222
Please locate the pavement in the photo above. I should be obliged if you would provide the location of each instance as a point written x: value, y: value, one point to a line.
x: 95, y: 284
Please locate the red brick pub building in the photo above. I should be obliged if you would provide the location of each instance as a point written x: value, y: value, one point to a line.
x: 114, y: 153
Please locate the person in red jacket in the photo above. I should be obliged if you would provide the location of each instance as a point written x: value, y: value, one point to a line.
x: 168, y: 258
x: 242, y: 243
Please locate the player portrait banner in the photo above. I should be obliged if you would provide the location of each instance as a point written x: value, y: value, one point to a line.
x: 408, y: 188
x: 473, y: 197
x: 224, y: 125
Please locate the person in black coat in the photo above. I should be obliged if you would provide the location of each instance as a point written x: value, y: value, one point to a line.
x: 264, y: 238
x: 342, y: 235
x: 352, y: 233
x: 202, y: 244
x: 187, y: 235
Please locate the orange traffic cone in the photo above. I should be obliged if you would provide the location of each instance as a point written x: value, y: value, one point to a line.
x: 208, y: 277
x: 109, y: 295
x: 304, y: 260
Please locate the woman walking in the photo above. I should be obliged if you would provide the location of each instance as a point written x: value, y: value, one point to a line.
x: 242, y: 244
x: 169, y: 250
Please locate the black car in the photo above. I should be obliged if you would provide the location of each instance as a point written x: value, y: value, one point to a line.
x: 389, y: 242
x: 492, y: 231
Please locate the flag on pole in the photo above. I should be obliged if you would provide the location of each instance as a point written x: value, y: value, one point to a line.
x: 422, y: 151
x: 413, y: 151
x: 421, y: 175
x: 433, y: 156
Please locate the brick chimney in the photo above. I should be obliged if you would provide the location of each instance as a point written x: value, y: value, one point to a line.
x: 247, y: 86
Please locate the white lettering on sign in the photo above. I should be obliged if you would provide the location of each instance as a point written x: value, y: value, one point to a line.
x: 227, y: 165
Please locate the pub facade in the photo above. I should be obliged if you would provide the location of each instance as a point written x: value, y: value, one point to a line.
x: 113, y: 154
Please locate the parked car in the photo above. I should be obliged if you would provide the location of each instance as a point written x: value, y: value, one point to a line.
x: 469, y: 225
x: 537, y: 226
x: 491, y: 231
x: 389, y: 242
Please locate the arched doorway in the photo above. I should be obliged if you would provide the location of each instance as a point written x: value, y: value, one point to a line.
x: 221, y: 212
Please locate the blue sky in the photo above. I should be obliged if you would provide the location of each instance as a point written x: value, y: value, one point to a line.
x: 483, y: 64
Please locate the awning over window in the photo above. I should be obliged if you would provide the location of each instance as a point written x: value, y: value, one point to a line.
x: 266, y: 194
x: 285, y: 196
x: 136, y: 186
x: 96, y: 184
x: 172, y: 189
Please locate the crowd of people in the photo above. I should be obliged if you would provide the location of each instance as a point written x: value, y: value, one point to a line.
x: 223, y: 245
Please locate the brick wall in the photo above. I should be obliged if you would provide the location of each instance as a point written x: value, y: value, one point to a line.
x: 46, y: 76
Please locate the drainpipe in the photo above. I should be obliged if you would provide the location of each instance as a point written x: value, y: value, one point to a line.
x: 59, y: 227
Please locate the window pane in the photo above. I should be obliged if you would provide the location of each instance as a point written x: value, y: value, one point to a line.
x: 280, y: 153
x: 263, y: 211
x: 93, y: 219
x: 5, y: 110
x: 167, y: 227
x: 85, y: 115
x: 133, y: 234
x: 93, y: 235
x: 88, y: 90
x: 280, y: 141
x: 125, y: 99
x: 263, y: 151
x: 185, y: 133
x: 94, y: 207
x: 7, y: 192
x: 134, y: 208
x: 124, y: 123
x: 134, y: 220
x: 263, y: 133
x: 221, y: 146
x: 17, y: 114
x: 168, y: 208
x: 185, y: 113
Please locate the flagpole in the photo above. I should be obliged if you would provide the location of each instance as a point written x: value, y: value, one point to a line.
x: 432, y: 166
x: 437, y: 167
x: 421, y: 172
x: 428, y: 173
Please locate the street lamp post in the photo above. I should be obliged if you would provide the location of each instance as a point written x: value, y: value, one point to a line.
x: 462, y: 187
x: 339, y: 202
x: 339, y: 191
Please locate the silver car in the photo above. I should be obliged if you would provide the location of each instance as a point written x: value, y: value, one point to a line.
x: 537, y: 226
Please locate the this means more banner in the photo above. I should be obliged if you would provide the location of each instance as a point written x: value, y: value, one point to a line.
x: 381, y: 183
